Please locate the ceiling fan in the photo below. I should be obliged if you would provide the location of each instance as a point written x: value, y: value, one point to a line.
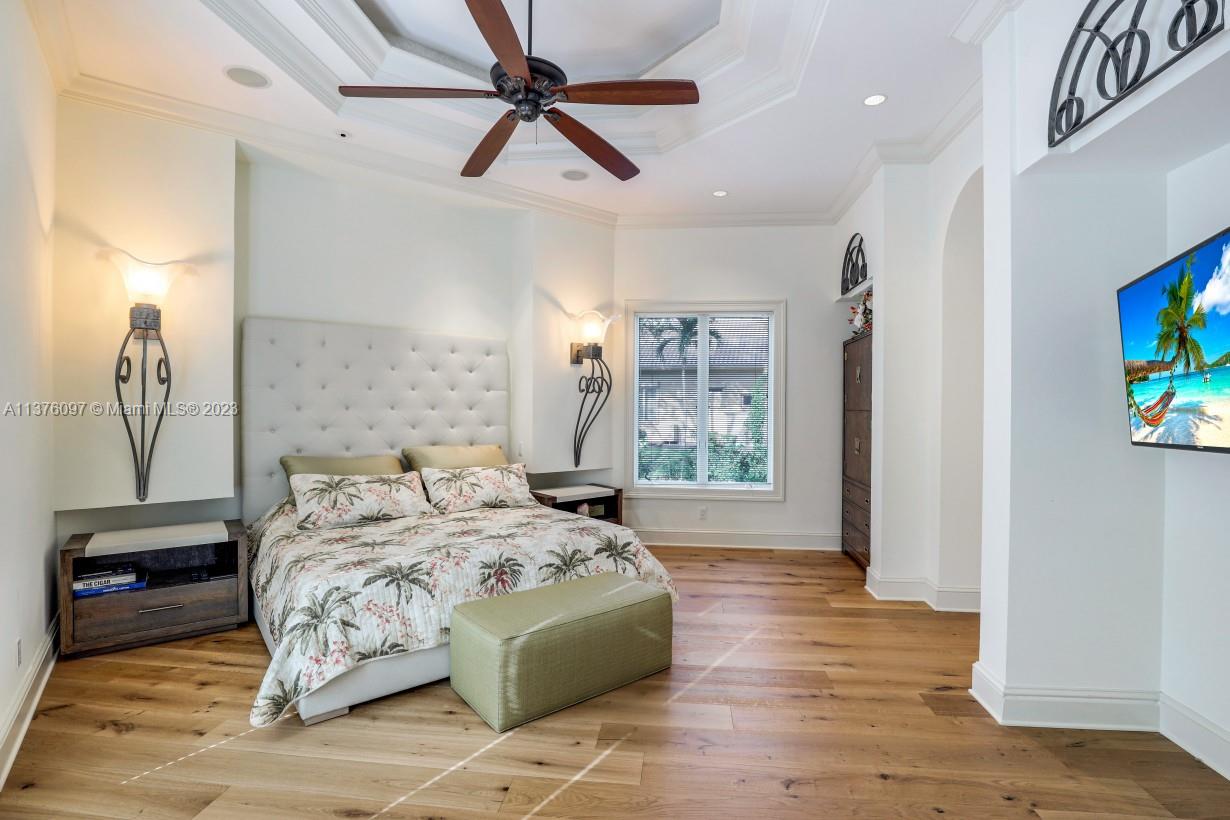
x: 533, y: 86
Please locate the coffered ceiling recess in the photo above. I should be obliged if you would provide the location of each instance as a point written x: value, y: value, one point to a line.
x: 781, y: 124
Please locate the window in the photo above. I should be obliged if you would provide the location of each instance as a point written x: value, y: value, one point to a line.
x: 705, y: 420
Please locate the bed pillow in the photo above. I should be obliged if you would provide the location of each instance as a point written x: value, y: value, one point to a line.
x: 468, y: 488
x: 327, y: 501
x: 387, y: 464
x: 454, y: 456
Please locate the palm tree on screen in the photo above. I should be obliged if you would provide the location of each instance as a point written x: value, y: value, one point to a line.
x: 1182, y: 314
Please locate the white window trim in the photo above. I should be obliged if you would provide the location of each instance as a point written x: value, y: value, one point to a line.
x: 777, y: 415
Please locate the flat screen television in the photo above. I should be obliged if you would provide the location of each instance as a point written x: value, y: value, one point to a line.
x: 1175, y: 328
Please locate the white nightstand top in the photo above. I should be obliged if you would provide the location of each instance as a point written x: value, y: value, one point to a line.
x: 156, y: 538
x: 578, y: 492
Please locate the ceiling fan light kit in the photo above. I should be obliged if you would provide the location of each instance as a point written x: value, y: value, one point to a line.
x: 533, y: 87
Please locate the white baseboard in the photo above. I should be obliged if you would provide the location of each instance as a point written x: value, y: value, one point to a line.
x: 941, y: 599
x: 740, y: 539
x: 29, y: 690
x: 1113, y: 709
x: 1201, y: 737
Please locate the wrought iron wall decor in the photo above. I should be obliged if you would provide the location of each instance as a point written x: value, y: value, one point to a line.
x: 147, y: 284
x: 854, y: 266
x: 595, y: 389
x: 1117, y: 47
x: 144, y: 324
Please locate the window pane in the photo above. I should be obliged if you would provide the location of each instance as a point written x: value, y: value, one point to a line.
x: 739, y: 399
x: 667, y: 401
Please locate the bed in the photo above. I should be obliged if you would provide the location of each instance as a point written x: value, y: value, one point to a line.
x: 355, y: 613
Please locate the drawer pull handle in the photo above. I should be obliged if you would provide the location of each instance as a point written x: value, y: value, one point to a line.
x: 858, y: 374
x: 159, y: 609
x: 867, y: 501
x: 858, y: 445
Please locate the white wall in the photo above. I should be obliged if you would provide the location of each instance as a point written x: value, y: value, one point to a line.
x: 800, y: 265
x: 334, y: 244
x: 1195, y: 607
x: 905, y: 216
x: 572, y: 265
x: 27, y: 200
x: 353, y: 250
x: 1073, y: 519
x: 960, y: 534
x: 161, y: 192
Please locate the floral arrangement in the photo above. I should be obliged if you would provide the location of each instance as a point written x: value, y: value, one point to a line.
x: 860, y: 314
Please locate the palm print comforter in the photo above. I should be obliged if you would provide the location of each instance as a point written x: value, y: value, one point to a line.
x: 337, y: 598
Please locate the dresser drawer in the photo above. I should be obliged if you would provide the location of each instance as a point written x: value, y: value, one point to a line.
x: 855, y: 493
x: 856, y: 541
x: 857, y: 516
x: 137, y: 611
x: 856, y: 452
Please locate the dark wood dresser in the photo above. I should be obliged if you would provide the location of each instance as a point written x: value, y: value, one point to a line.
x: 188, y: 588
x: 856, y: 450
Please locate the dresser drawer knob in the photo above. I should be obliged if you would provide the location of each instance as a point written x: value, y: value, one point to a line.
x: 159, y: 609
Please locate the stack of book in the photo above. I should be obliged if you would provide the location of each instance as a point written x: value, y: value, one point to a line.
x: 113, y: 579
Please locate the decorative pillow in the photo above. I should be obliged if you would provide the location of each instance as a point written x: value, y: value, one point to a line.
x: 468, y: 488
x: 341, y: 465
x: 326, y: 501
x: 453, y: 456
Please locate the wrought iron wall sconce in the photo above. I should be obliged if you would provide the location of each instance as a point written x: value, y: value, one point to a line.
x: 595, y: 387
x: 147, y: 284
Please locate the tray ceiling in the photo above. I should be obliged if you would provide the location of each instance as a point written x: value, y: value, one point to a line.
x: 781, y: 123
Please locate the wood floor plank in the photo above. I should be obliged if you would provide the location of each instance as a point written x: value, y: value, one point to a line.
x: 794, y: 694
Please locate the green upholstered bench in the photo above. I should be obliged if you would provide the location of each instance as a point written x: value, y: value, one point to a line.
x: 520, y: 656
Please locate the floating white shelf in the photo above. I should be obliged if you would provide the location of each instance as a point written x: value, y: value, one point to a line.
x: 857, y: 293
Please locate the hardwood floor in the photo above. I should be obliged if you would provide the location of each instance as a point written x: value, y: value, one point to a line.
x: 794, y: 694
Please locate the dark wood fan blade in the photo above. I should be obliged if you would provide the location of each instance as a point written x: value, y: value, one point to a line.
x: 631, y: 92
x: 594, y: 146
x: 491, y: 146
x: 497, y: 29
x: 412, y: 93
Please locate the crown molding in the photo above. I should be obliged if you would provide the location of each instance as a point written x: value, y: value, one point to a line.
x: 350, y: 28
x: 55, y: 39
x: 967, y: 109
x: 717, y: 53
x: 277, y: 138
x: 739, y: 220
x: 254, y: 23
x: 980, y: 19
x: 806, y: 20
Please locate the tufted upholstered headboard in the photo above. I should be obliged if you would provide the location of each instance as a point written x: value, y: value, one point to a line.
x: 318, y: 388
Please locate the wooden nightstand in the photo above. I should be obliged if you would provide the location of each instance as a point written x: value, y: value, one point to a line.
x: 196, y: 582
x: 605, y: 503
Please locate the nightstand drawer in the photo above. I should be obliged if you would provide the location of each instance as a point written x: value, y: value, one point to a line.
x: 130, y: 613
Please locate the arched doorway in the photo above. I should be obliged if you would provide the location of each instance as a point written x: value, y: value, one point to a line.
x: 961, y: 373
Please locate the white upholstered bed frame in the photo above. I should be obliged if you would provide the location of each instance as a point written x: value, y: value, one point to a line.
x: 319, y: 388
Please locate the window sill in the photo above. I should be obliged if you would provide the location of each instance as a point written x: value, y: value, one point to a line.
x: 704, y: 494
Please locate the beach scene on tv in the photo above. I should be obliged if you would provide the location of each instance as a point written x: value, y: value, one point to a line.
x: 1176, y: 350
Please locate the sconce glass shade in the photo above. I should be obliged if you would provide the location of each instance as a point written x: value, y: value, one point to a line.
x: 147, y: 282
x: 594, y: 326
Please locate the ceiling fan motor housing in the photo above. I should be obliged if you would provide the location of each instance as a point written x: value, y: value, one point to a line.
x: 529, y: 102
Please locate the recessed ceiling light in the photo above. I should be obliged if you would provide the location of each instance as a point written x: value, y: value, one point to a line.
x: 874, y: 100
x: 248, y: 77
x: 719, y: 194
x: 575, y: 175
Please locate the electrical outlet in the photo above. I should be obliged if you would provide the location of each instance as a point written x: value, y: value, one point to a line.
x: 702, y: 513
x: 19, y: 653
